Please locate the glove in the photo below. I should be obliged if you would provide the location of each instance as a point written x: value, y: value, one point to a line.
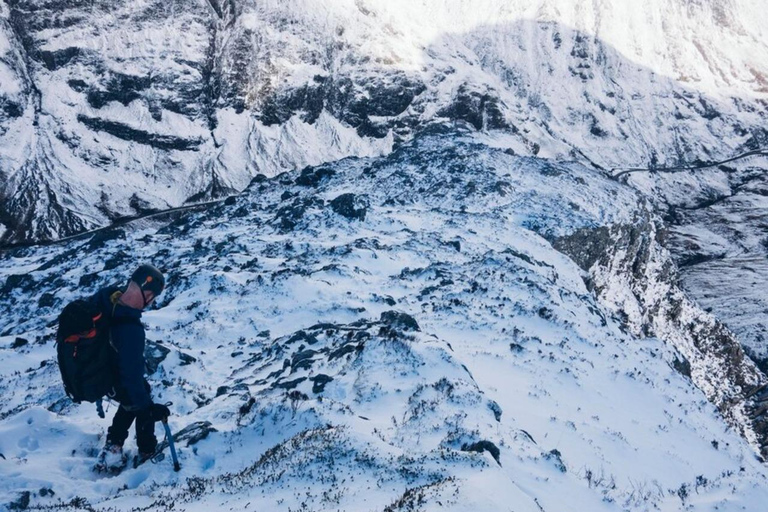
x: 159, y: 412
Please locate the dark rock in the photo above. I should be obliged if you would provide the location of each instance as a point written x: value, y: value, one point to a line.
x: 230, y: 200
x: 495, y: 408
x: 352, y: 102
x: 186, y: 359
x: 556, y: 457
x: 350, y: 206
x: 547, y: 169
x: 682, y: 366
x: 89, y: 280
x: 383, y: 97
x: 455, y: 244
x: 310, y: 339
x: 586, y: 246
x: 288, y: 216
x: 46, y: 300
x: 246, y: 407
x: 22, y: 503
x: 306, y: 100
x: 100, y: 238
x: 483, y: 446
x: 154, y: 354
x: 345, y: 349
x: 19, y: 342
x: 58, y: 58
x: 313, y: 176
x: 259, y: 178
x: 707, y: 111
x: 302, y: 359
x: 320, y: 380
x: 116, y: 260
x: 192, y: 433
x: 222, y: 390
x: 480, y: 109
x: 252, y: 263
x: 120, y: 88
x: 399, y: 320
x: 125, y: 132
x: 23, y: 282
x: 61, y: 405
x: 297, y: 395
x: 545, y: 313
x: 10, y: 108
x: 529, y: 436
x: 290, y: 384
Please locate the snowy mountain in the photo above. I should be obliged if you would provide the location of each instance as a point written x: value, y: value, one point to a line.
x: 438, y: 254
x: 110, y: 110
x: 402, y: 332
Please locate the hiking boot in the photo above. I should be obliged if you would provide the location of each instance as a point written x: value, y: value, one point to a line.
x: 143, y: 457
x: 111, y: 459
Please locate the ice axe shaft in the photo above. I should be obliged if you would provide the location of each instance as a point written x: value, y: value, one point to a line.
x: 176, y: 465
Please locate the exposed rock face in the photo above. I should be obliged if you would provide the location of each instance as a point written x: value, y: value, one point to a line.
x: 635, y: 277
x: 716, y: 218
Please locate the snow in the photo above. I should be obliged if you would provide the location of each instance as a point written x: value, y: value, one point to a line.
x: 552, y: 316
x: 272, y: 149
x: 612, y: 84
x: 512, y: 349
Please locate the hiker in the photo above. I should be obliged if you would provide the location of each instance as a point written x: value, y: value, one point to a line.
x: 130, y: 389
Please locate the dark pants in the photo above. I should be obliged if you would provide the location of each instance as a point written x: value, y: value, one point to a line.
x: 121, y: 423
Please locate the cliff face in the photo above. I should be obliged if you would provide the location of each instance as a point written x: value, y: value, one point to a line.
x: 634, y: 276
x: 110, y: 110
x: 716, y: 218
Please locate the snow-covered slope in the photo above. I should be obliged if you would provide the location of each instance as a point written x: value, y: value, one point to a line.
x: 395, y: 333
x: 112, y: 109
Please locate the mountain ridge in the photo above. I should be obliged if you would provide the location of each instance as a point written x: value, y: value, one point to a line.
x: 268, y: 88
x: 369, y: 324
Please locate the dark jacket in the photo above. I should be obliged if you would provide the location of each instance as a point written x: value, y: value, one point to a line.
x: 128, y: 340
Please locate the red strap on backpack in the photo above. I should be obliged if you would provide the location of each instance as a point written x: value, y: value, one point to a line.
x: 87, y: 334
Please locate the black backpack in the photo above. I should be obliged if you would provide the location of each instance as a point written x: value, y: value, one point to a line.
x: 85, y: 354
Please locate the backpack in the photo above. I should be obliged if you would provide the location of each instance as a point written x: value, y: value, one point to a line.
x: 85, y: 354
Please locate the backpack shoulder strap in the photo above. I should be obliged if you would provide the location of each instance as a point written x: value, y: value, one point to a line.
x: 114, y: 297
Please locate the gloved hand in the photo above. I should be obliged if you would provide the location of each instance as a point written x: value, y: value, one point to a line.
x: 159, y: 412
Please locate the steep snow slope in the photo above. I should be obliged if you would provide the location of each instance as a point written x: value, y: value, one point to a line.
x: 390, y: 333
x: 112, y: 109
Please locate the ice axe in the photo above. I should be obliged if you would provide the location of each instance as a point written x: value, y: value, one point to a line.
x: 169, y: 436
